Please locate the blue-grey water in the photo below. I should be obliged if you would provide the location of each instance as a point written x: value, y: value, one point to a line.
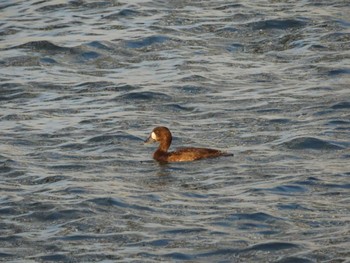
x: 83, y: 83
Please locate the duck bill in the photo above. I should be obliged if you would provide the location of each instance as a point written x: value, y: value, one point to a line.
x: 150, y: 140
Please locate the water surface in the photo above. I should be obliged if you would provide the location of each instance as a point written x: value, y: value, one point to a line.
x: 83, y: 83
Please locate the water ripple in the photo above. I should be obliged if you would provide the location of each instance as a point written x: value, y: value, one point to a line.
x: 278, y: 24
x: 311, y: 143
x: 118, y: 203
x: 144, y: 96
x: 43, y: 46
x: 152, y: 40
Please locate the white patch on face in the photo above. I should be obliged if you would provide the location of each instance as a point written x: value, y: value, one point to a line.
x: 153, y: 136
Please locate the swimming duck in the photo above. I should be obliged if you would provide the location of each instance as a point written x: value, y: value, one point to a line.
x: 163, y: 136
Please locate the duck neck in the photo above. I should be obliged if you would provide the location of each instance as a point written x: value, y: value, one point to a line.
x: 164, y: 145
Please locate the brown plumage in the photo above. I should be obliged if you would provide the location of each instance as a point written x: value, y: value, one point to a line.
x: 163, y: 136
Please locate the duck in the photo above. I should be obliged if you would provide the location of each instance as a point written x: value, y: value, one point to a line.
x: 163, y: 135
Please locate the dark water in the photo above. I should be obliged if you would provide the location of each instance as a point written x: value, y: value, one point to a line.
x: 84, y: 82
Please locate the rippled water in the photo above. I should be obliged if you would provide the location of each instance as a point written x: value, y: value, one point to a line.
x: 84, y: 82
